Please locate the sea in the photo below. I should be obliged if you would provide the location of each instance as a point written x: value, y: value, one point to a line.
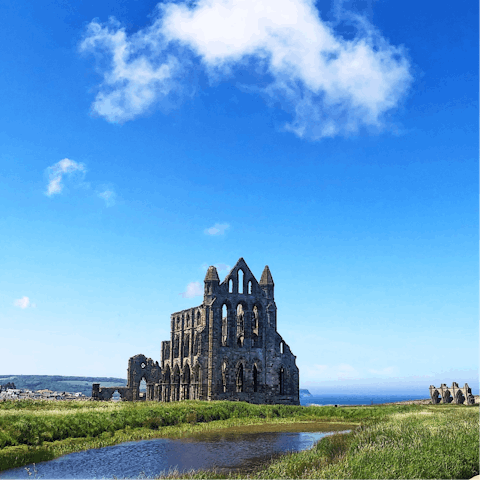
x: 360, y: 399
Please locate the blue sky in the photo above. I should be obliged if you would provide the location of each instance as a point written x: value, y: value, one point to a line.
x: 336, y: 142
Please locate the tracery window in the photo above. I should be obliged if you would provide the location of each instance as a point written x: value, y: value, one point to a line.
x: 240, y: 325
x: 224, y: 326
x: 255, y: 327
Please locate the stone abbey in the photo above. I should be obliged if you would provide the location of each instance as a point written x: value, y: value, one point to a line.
x: 227, y: 348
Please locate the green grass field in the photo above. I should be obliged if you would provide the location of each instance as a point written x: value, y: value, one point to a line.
x: 394, y: 441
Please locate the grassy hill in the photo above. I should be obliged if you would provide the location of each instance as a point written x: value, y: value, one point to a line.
x: 61, y: 384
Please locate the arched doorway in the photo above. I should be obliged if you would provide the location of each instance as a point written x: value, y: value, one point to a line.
x: 240, y: 378
x: 255, y: 379
x: 142, y: 389
x: 186, y: 383
x: 196, y: 382
x: 166, y: 386
x: 176, y: 384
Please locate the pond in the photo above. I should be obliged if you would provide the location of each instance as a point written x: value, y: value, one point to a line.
x: 238, y: 449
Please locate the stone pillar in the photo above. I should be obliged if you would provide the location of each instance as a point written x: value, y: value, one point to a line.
x: 210, y: 316
x: 149, y: 394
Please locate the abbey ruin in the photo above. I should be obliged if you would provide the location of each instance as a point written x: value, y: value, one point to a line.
x: 227, y: 348
x: 453, y: 394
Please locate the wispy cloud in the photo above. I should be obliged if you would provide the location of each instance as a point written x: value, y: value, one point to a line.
x: 194, y: 289
x: 217, y: 229
x: 108, y: 195
x: 329, y: 83
x: 221, y: 267
x: 23, y: 303
x: 75, y: 172
x: 58, y: 171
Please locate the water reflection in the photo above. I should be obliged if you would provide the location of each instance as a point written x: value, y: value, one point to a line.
x: 231, y: 450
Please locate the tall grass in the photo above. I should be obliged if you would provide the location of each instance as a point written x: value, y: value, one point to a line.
x: 33, y: 431
x: 435, y: 442
x: 408, y: 441
x: 33, y: 423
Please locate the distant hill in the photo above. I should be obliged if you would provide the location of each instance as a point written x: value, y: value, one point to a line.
x: 61, y: 384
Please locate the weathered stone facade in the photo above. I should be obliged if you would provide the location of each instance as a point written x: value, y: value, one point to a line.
x: 139, y: 368
x: 453, y: 394
x: 227, y: 348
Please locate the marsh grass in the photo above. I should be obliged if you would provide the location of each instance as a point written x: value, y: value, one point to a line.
x: 436, y: 442
x: 34, y: 431
x: 391, y: 441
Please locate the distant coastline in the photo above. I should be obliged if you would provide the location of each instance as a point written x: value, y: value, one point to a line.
x: 60, y: 383
x: 83, y: 385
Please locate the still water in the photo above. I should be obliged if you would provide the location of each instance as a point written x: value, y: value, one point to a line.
x: 240, y: 449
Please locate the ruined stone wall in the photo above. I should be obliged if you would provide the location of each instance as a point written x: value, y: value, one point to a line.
x: 453, y: 394
x: 142, y: 368
x: 106, y: 393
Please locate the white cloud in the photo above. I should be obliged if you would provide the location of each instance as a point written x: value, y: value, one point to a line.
x: 108, y: 195
x: 221, y: 267
x: 217, y: 229
x: 330, y: 84
x: 23, y: 303
x: 194, y: 289
x: 58, y: 171
x: 76, y: 172
x: 140, y: 71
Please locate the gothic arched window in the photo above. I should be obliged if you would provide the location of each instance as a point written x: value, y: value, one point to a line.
x: 224, y: 325
x: 240, y: 325
x: 240, y: 276
x: 240, y: 378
